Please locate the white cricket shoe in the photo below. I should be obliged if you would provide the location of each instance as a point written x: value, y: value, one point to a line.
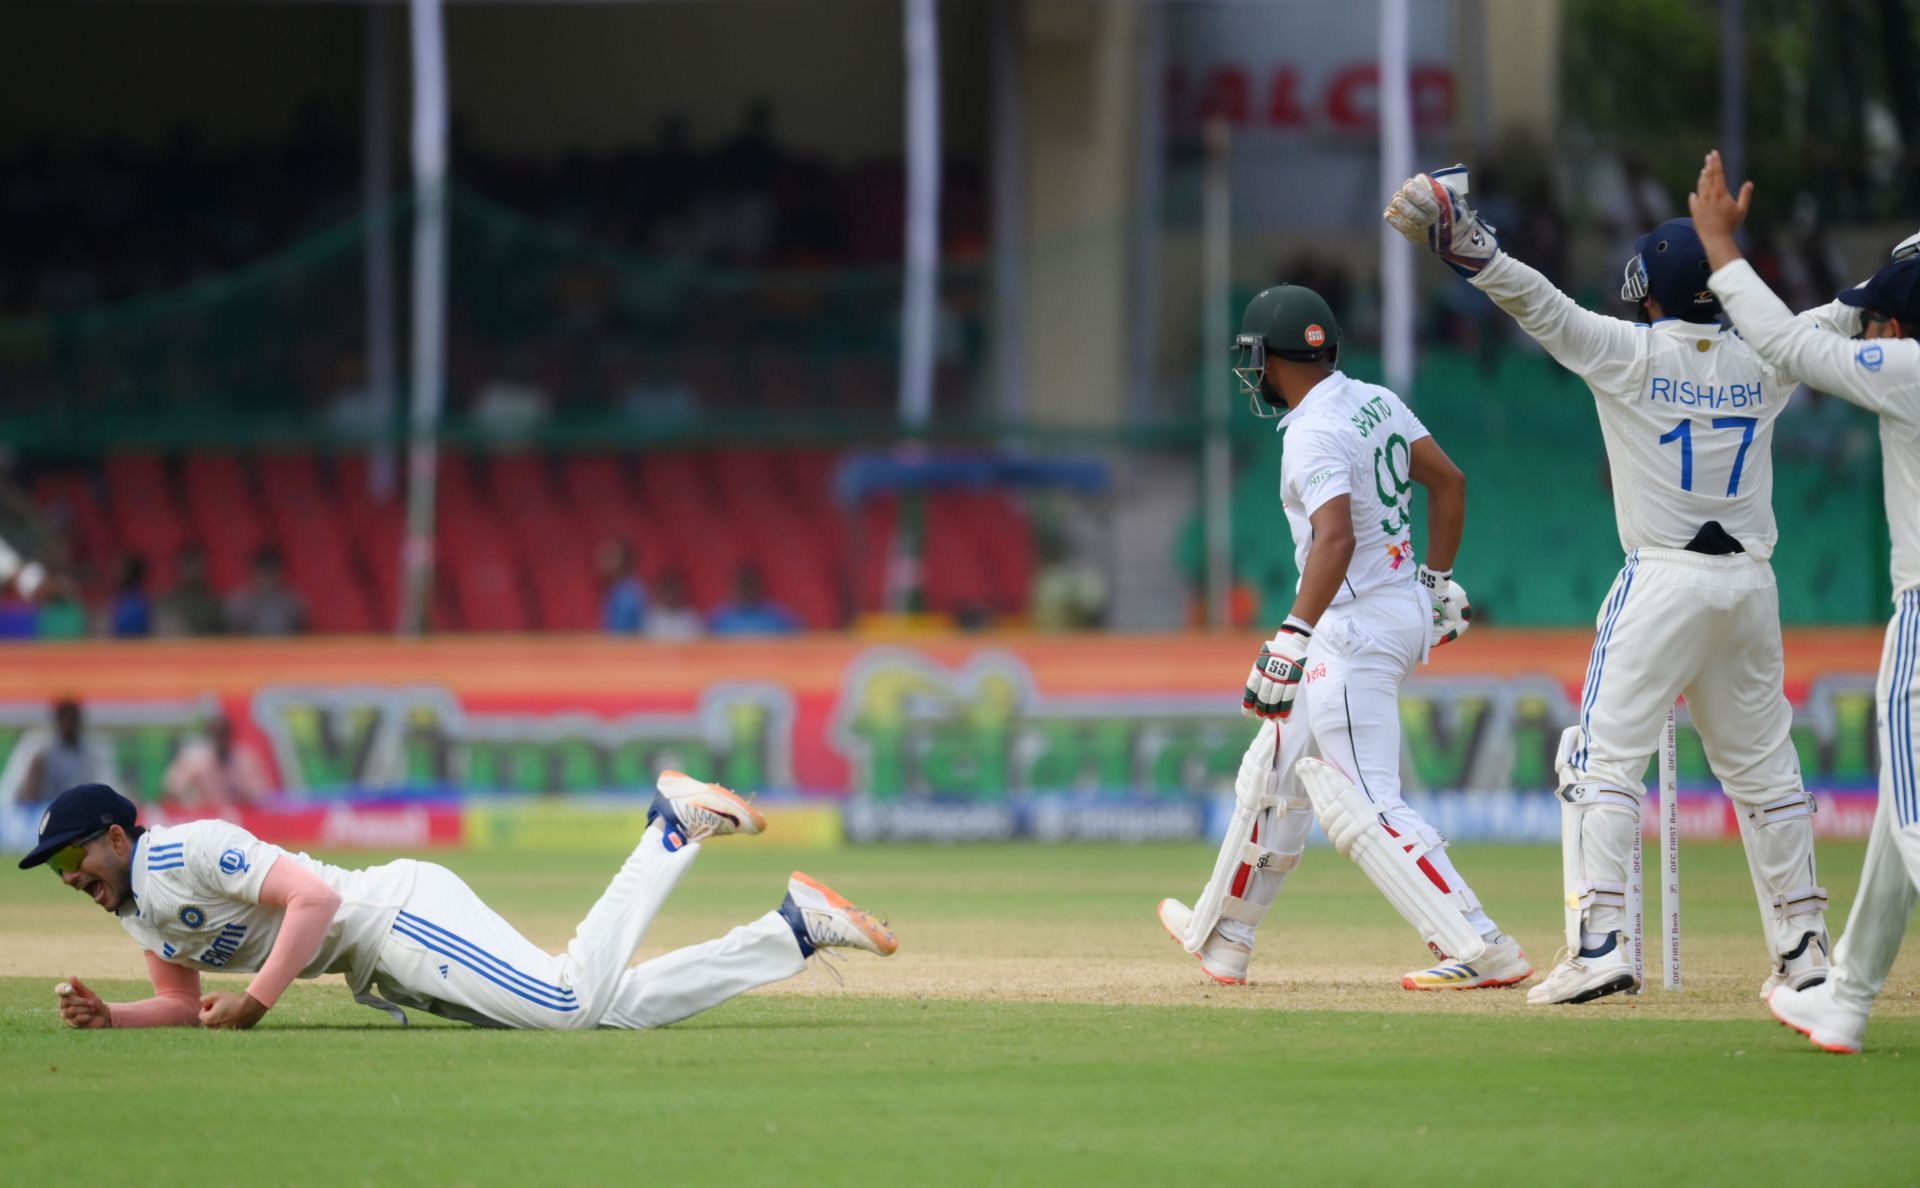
x: 1223, y: 960
x: 700, y: 810
x: 1802, y: 969
x: 1503, y: 964
x: 830, y: 922
x: 1814, y: 1013
x: 1583, y: 979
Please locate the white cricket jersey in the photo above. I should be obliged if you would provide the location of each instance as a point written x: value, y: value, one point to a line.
x: 1353, y: 439
x: 196, y: 902
x: 1686, y: 410
x: 1881, y: 376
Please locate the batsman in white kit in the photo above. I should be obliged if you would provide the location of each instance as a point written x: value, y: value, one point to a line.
x: 1363, y: 618
x: 209, y: 896
x: 1687, y: 412
x: 1880, y: 372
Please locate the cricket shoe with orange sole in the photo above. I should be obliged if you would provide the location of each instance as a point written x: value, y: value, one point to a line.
x: 822, y: 918
x: 1831, y: 1025
x: 1503, y: 964
x: 691, y: 810
x: 1223, y: 960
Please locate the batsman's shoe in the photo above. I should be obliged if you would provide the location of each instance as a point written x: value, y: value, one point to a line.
x: 1802, y: 969
x: 1503, y: 964
x: 692, y: 810
x: 823, y: 919
x: 1832, y: 1025
x: 1584, y: 976
x: 1222, y: 960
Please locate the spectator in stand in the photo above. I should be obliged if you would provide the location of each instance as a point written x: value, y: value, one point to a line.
x: 130, y: 614
x: 66, y: 759
x: 190, y: 606
x: 266, y: 605
x: 213, y: 776
x: 623, y: 599
x: 62, y: 614
x: 672, y: 617
x: 751, y: 612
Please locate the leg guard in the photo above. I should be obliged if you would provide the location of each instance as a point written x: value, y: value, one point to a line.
x: 1599, y: 828
x: 1263, y: 844
x: 1395, y: 862
x: 1779, y: 840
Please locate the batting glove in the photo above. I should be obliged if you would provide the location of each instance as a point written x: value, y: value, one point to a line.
x: 1432, y: 214
x: 1277, y: 671
x: 1452, y: 613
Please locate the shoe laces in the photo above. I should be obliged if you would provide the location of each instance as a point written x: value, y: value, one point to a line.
x: 825, y: 959
x: 827, y: 928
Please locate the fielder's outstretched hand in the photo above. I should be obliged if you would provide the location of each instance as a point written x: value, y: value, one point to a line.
x: 80, y: 1007
x: 230, y: 1011
x: 1717, y: 214
x: 1275, y: 679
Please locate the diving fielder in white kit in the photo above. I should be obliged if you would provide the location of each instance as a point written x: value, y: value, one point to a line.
x: 1687, y: 412
x: 1880, y: 372
x: 209, y: 896
x: 1363, y: 618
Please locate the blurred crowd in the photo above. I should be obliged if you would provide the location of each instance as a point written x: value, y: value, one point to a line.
x: 211, y: 773
x: 610, y: 280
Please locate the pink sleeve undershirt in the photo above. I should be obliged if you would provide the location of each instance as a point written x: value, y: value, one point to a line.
x: 310, y: 906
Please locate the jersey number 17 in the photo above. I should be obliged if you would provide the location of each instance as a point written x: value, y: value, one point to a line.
x: 1683, y: 433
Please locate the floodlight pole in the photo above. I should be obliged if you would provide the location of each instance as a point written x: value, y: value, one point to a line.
x: 920, y: 31
x: 376, y: 190
x: 429, y: 307
x: 1396, y: 163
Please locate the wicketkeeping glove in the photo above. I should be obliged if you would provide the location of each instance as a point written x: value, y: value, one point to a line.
x: 1432, y: 213
x: 1452, y: 614
x: 1275, y: 679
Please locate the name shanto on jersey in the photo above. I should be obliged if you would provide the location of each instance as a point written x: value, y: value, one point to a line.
x: 1353, y: 439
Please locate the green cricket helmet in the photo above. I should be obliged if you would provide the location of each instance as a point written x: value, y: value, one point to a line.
x: 1291, y: 322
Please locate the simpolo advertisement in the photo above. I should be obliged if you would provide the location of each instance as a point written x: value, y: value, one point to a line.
x: 523, y: 741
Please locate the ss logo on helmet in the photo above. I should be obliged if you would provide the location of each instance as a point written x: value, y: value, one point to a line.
x: 1315, y: 336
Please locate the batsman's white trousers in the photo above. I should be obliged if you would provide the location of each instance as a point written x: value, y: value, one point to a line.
x: 1362, y: 651
x: 1709, y: 627
x: 1881, y: 907
x: 451, y: 955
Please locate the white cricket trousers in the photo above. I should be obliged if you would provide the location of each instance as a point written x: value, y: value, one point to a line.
x: 450, y: 954
x: 1678, y: 622
x: 1675, y: 623
x: 1361, y: 652
x: 1881, y: 907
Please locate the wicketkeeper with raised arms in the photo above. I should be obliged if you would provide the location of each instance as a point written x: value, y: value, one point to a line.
x: 209, y: 896
x: 1687, y: 412
x: 1364, y: 617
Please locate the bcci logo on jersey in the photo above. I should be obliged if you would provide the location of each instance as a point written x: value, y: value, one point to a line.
x: 192, y: 917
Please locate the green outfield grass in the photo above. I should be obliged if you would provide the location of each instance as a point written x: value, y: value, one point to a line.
x: 978, y: 1055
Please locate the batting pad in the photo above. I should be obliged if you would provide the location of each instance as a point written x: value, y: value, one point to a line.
x: 1259, y: 796
x: 1354, y: 827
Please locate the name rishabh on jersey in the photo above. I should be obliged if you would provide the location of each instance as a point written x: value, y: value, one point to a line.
x: 196, y: 902
x: 1354, y: 439
x: 1687, y: 410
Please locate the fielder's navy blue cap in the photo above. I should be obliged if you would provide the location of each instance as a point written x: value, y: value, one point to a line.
x: 77, y: 813
x: 1894, y: 291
